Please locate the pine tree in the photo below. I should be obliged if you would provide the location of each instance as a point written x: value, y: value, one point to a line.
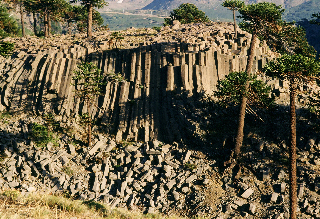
x: 49, y: 9
x: 296, y: 68
x: 90, y: 4
x: 259, y: 19
x: 233, y: 5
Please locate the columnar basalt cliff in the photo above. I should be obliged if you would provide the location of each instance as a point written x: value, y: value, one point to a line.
x: 162, y: 71
x: 169, y: 78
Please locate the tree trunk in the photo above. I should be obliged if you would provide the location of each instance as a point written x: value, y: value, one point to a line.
x: 46, y: 25
x: 293, y: 152
x: 235, y: 24
x: 22, y: 20
x: 69, y: 28
x: 89, y: 24
x: 49, y: 25
x: 89, y: 124
x: 242, y: 114
x: 34, y: 24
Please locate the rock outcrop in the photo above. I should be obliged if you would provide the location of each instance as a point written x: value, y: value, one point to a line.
x: 177, y: 164
x: 184, y: 61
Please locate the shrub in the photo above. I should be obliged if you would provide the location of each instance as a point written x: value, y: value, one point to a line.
x: 41, y: 135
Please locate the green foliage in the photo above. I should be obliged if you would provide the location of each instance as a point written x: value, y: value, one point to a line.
x: 52, y: 7
x: 115, y: 77
x: 261, y: 18
x: 157, y: 28
x: 85, y: 120
x: 296, y: 66
x: 90, y: 4
x: 67, y: 170
x: 231, y: 89
x: 291, y: 39
x: 41, y: 135
x: 51, y: 123
x: 315, y: 19
x: 87, y: 81
x: 233, y: 5
x: 190, y: 166
x: 116, y: 35
x: 94, y: 3
x: 8, y: 25
x: 186, y: 13
x: 12, y: 194
x: 50, y: 10
x: 5, y: 115
x: 6, y: 49
x: 3, y: 156
x: 79, y: 15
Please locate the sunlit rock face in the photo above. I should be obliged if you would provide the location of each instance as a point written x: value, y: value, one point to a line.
x: 163, y: 71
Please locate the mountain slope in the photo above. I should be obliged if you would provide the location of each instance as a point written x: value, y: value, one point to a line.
x: 205, y: 4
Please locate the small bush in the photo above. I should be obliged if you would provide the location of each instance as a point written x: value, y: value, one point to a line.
x: 190, y: 166
x: 5, y: 115
x: 3, y: 156
x: 41, y: 135
x: 157, y: 28
x: 12, y: 194
x: 115, y: 77
x: 67, y: 170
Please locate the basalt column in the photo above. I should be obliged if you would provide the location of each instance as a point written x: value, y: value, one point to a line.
x: 160, y: 78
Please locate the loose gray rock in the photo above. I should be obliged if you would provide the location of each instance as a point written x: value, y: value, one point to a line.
x: 247, y: 193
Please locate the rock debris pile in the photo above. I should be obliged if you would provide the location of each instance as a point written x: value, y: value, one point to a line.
x: 155, y: 176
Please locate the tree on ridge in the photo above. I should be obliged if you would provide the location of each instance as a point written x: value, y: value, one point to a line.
x: 8, y: 25
x: 90, y: 4
x: 234, y: 5
x: 186, y: 13
x: 19, y: 3
x: 49, y: 9
x: 258, y: 19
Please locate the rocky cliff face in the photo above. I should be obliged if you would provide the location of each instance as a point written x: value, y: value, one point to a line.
x: 162, y: 71
x: 165, y: 73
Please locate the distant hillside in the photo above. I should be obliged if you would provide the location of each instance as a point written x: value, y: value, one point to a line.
x: 302, y: 11
x: 213, y: 4
x: 126, y: 4
x: 118, y: 21
x: 215, y: 11
x: 301, y: 14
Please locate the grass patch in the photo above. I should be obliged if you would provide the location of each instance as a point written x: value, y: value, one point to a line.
x: 11, y: 194
x: 67, y: 170
x: 14, y: 205
x: 5, y: 115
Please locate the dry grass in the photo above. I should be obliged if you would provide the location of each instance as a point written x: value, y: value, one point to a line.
x: 13, y: 205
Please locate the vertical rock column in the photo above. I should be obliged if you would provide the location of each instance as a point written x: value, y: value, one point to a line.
x: 136, y: 97
x: 146, y: 97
